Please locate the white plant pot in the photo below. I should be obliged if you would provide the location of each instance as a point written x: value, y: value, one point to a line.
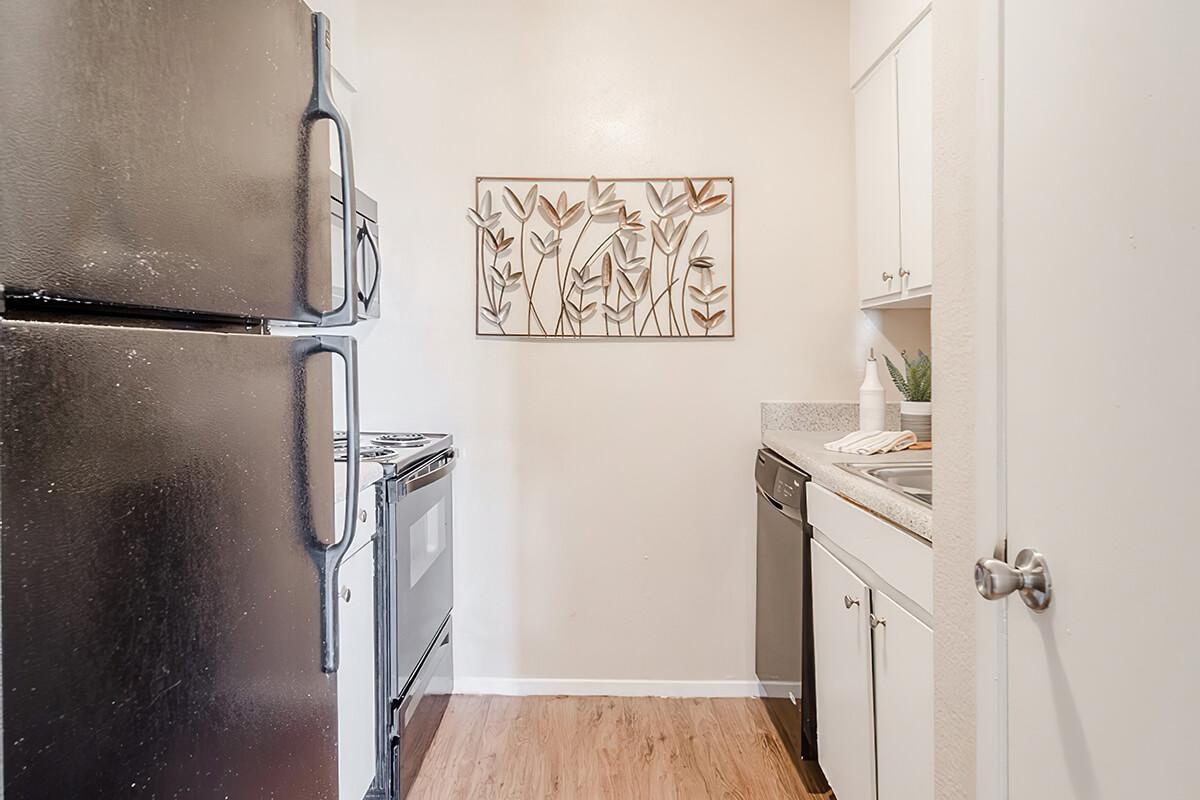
x: 918, y: 418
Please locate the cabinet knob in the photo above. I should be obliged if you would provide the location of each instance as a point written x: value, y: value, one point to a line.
x: 346, y: 593
x: 850, y: 602
x: 887, y: 277
x: 904, y: 273
x: 362, y: 515
x: 877, y: 621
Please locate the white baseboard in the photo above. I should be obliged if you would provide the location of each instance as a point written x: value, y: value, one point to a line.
x: 615, y: 688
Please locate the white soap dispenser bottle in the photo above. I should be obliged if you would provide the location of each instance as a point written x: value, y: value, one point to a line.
x: 871, y: 398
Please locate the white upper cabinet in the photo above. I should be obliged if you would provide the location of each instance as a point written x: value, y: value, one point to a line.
x: 893, y: 137
x: 875, y: 26
x: 877, y: 184
x: 914, y: 105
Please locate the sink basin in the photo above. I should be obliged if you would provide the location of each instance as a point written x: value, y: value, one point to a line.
x: 910, y: 478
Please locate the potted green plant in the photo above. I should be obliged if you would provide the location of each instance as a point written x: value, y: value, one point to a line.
x: 916, y: 385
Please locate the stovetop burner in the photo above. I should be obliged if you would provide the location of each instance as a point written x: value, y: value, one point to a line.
x: 401, y: 439
x: 366, y: 453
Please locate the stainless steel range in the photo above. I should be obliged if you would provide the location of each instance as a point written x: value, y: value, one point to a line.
x: 414, y: 596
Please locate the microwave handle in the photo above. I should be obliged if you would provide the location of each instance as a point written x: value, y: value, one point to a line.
x: 365, y: 234
x: 321, y: 106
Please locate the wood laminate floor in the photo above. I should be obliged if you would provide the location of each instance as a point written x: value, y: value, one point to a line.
x: 624, y: 748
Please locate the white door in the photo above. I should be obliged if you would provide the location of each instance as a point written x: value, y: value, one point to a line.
x: 877, y: 183
x: 1100, y: 394
x: 842, y: 645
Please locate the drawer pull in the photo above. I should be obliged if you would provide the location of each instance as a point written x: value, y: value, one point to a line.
x: 850, y: 601
x: 877, y: 621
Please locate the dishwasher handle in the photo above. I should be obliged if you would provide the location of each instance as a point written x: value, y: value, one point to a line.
x: 781, y: 484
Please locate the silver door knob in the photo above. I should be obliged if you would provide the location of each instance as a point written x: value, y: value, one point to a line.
x: 362, y: 515
x: 1029, y: 576
x: 877, y: 621
x: 887, y: 277
x: 904, y: 273
x: 849, y: 601
x: 346, y: 593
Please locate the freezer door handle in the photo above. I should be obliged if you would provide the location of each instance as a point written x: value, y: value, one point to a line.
x: 321, y: 106
x: 331, y: 555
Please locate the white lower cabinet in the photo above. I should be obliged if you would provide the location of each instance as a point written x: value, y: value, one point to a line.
x: 356, y: 671
x: 903, y: 661
x: 842, y: 644
x: 874, y: 655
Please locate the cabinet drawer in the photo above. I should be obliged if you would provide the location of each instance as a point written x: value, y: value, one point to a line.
x: 897, y: 556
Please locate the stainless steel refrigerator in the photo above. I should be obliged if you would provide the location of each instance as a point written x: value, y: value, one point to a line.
x: 168, y: 551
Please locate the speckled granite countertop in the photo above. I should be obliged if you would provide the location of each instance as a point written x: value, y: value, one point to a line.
x: 807, y: 451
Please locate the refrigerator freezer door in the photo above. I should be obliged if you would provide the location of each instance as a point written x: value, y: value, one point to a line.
x: 166, y: 155
x: 165, y: 512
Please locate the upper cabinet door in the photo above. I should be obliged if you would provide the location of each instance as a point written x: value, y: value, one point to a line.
x: 914, y: 90
x: 875, y: 26
x: 165, y: 156
x: 842, y: 645
x: 877, y: 182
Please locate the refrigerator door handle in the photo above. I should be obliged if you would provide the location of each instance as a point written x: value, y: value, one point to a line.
x: 331, y: 555
x: 321, y: 106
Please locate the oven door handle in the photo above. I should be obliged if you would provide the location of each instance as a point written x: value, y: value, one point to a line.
x: 421, y: 481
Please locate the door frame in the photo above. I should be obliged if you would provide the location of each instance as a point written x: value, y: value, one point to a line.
x: 990, y: 329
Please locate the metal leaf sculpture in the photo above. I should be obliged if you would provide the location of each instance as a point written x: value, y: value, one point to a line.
x: 580, y: 314
x: 483, y: 217
x: 600, y: 202
x: 668, y: 237
x: 623, y: 314
x: 560, y: 215
x: 522, y: 210
x: 497, y: 318
x: 506, y: 278
x: 708, y: 322
x: 703, y: 201
x: 547, y: 246
x: 587, y: 236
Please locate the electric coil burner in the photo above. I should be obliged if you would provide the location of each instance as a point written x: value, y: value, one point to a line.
x: 401, y: 439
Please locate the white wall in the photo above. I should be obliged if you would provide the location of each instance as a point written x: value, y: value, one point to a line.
x: 960, y: 240
x: 604, y: 505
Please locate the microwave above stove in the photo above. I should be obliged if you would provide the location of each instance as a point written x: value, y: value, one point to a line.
x: 366, y: 225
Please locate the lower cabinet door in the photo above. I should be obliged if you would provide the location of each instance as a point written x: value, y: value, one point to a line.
x: 903, y: 649
x: 842, y: 644
x: 356, y: 675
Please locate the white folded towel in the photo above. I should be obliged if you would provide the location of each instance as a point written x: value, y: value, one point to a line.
x: 865, y: 443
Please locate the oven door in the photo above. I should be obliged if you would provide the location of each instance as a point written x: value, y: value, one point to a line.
x: 422, y: 576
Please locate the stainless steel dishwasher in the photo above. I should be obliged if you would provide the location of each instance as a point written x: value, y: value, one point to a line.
x: 783, y: 647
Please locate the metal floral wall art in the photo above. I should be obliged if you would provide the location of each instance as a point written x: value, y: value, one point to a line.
x: 590, y: 258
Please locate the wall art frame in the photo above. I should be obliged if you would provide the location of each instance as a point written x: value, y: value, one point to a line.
x: 604, y: 258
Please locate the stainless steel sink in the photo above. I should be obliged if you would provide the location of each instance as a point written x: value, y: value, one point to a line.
x: 910, y: 478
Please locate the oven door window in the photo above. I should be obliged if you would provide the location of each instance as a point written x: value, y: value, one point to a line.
x: 427, y: 540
